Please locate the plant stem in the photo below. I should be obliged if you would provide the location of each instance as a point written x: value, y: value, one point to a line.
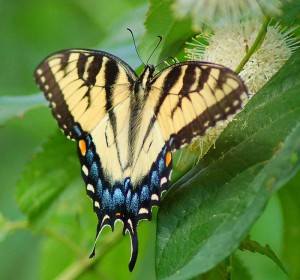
x: 64, y: 240
x: 25, y: 225
x: 81, y: 265
x: 13, y: 226
x: 257, y: 43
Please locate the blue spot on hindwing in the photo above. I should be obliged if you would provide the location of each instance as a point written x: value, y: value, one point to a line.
x: 94, y: 173
x: 145, y: 194
x: 77, y: 130
x: 88, y: 140
x: 106, y: 200
x: 128, y: 200
x: 134, y: 206
x: 99, y: 187
x: 161, y: 165
x: 154, y: 179
x: 89, y: 157
x: 126, y: 184
x: 118, y: 197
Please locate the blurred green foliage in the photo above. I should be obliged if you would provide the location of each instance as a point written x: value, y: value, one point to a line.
x: 53, y: 235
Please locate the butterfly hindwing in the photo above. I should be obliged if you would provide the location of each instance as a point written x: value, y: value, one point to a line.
x: 123, y: 200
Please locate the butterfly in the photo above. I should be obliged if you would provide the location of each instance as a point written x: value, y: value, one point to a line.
x: 127, y: 126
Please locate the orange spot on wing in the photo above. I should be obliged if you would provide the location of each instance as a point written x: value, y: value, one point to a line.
x: 168, y: 158
x: 118, y: 214
x: 82, y: 147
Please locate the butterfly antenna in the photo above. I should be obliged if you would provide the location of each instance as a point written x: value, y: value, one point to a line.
x: 135, y: 45
x: 160, y: 39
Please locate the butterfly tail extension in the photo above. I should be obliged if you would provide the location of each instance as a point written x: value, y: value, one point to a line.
x: 98, y: 231
x: 131, y: 227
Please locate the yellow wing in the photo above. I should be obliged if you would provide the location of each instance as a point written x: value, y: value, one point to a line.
x: 83, y: 86
x: 190, y: 97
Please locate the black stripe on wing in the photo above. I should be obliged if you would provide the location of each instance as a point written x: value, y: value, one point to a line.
x: 45, y: 78
x: 197, y: 95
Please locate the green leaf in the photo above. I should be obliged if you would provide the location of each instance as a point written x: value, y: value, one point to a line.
x: 291, y: 13
x: 47, y: 175
x: 17, y: 106
x: 211, y: 209
x: 111, y: 14
x: 289, y: 197
x: 162, y: 21
x: 255, y: 247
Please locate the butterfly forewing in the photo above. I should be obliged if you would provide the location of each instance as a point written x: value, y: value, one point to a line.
x: 190, y: 97
x: 83, y: 86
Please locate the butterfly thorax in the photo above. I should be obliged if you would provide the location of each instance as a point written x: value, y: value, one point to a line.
x: 137, y: 104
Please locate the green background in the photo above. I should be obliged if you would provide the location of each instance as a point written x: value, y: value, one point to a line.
x: 31, y: 30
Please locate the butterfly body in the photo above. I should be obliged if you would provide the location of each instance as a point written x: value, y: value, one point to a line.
x: 128, y: 126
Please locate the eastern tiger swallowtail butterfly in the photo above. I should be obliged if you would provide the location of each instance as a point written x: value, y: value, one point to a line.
x: 127, y: 126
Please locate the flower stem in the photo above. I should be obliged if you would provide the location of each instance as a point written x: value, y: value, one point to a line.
x: 257, y: 43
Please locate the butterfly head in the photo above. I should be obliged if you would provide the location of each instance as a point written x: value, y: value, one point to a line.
x: 145, y: 78
x: 147, y: 74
